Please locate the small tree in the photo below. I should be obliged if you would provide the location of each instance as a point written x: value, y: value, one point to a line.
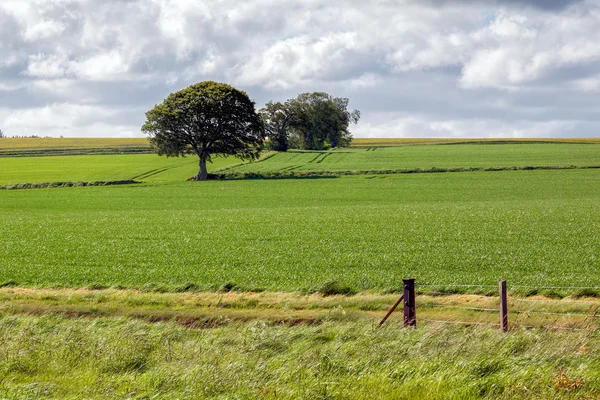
x: 206, y: 119
x: 2, y: 134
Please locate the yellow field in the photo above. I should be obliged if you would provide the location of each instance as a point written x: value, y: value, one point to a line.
x: 11, y: 145
x: 14, y: 145
x: 363, y: 142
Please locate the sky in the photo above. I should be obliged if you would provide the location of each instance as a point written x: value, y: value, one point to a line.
x: 420, y: 68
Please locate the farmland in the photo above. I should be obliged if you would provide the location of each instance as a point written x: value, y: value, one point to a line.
x: 147, y: 167
x: 425, y: 157
x: 531, y: 227
x: 175, y: 289
x: 25, y: 147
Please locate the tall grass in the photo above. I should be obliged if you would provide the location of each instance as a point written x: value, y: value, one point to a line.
x: 54, y: 357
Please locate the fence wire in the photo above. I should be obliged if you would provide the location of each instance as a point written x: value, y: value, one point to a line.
x: 441, y: 321
x: 519, y: 315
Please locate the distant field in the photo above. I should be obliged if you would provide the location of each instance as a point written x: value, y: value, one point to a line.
x: 151, y: 167
x: 144, y: 167
x: 430, y: 156
x: 365, y: 142
x: 63, y: 146
x: 530, y: 227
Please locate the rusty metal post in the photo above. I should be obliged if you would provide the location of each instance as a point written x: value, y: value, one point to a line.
x: 391, y: 310
x: 503, y: 306
x: 410, y: 308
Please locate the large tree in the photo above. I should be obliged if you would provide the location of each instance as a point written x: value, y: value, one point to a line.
x: 277, y: 118
x: 312, y: 121
x: 206, y: 119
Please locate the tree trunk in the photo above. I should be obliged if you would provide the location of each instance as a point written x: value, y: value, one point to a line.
x: 202, y: 174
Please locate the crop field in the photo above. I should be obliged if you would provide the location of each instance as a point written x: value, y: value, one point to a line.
x: 20, y: 147
x: 430, y: 156
x: 383, y: 142
x: 530, y: 227
x: 146, y: 167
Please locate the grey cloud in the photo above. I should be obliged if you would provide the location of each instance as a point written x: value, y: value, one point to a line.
x: 467, y: 62
x: 543, y: 4
x: 555, y: 5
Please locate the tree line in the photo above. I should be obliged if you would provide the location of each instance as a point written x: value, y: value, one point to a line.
x: 210, y: 118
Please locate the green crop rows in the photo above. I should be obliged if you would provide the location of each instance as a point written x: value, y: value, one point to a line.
x: 146, y: 167
x: 530, y: 227
x: 431, y: 156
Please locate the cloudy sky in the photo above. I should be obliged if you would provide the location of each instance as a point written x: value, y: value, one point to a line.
x: 420, y: 68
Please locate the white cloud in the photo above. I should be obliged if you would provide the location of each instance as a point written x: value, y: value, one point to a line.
x: 444, y: 61
x: 589, y: 84
x: 68, y: 120
x: 514, y: 51
x: 47, y: 66
x: 424, y: 126
x: 56, y: 116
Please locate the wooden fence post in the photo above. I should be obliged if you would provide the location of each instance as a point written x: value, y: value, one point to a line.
x: 503, y: 306
x: 410, y: 309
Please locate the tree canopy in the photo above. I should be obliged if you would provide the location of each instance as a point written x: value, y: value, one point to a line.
x: 206, y: 119
x: 312, y: 121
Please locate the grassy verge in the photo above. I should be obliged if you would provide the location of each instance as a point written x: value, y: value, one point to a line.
x: 115, y: 357
x: 211, y: 309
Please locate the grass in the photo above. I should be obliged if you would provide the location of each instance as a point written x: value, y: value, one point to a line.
x: 191, y: 308
x: 58, y: 357
x: 145, y: 167
x: 426, y: 157
x: 366, y: 232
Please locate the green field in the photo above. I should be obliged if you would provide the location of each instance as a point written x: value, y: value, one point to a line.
x: 530, y: 227
x: 229, y: 280
x: 146, y: 167
x: 430, y: 156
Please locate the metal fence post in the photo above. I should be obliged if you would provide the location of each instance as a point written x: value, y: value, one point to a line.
x: 503, y: 306
x: 410, y: 309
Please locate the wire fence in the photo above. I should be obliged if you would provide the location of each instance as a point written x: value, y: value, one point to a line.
x: 526, y: 313
x: 537, y: 287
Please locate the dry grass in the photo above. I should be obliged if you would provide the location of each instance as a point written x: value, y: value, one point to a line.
x: 202, y: 309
